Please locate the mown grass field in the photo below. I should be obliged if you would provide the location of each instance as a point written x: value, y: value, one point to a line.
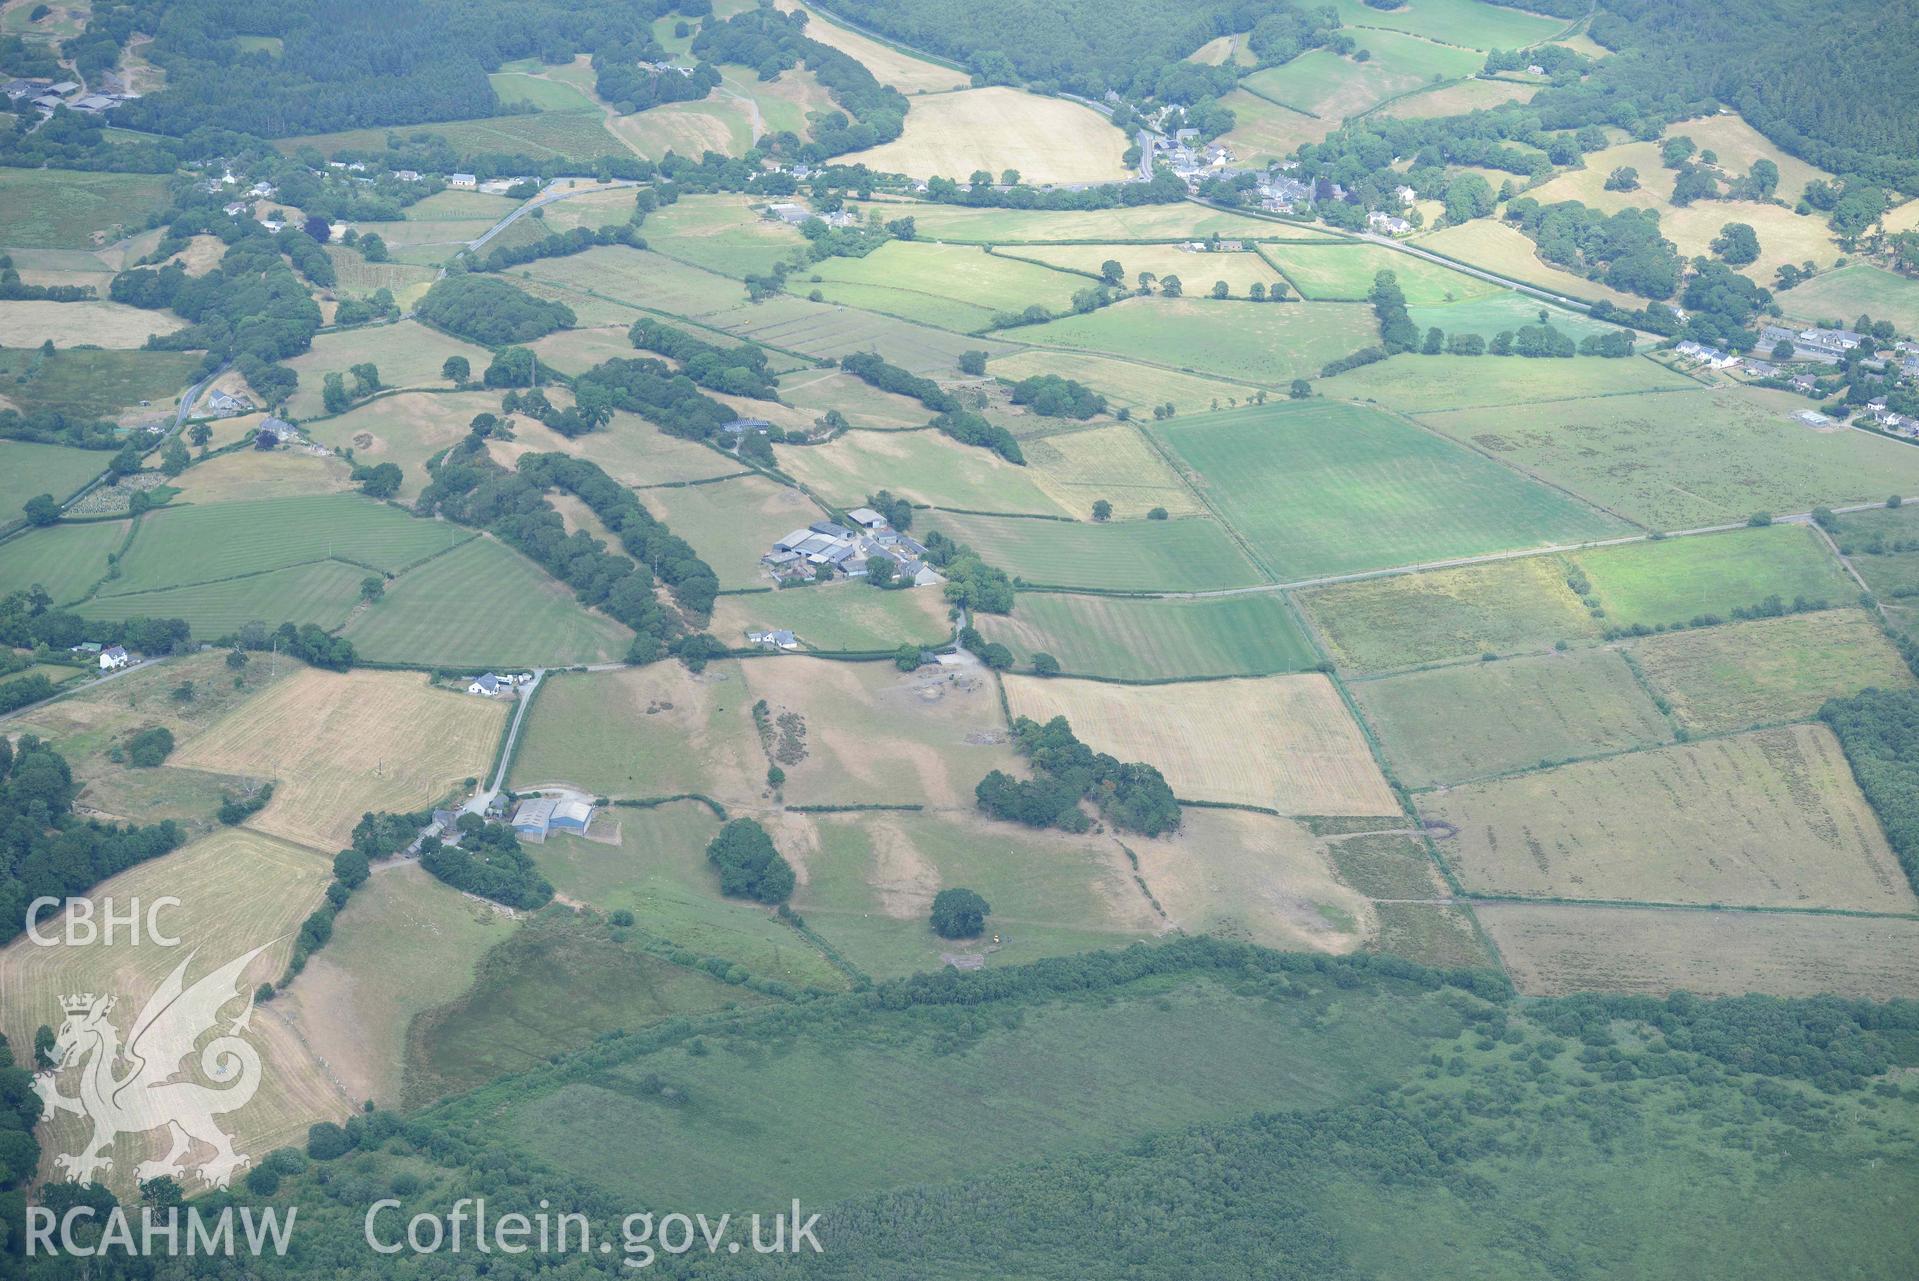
x: 1263, y: 130
x: 827, y: 331
x: 1196, y: 270
x: 1771, y: 670
x: 1503, y: 607
x: 871, y: 878
x: 236, y: 890
x: 1267, y: 344
x: 1416, y: 384
x: 1680, y: 460
x: 360, y: 278
x: 1459, y: 22
x: 1131, y: 556
x: 405, y: 430
x: 1166, y: 223
x: 1506, y: 311
x: 1141, y: 639
x: 733, y: 523
x: 814, y: 391
x: 1046, y: 139
x: 1855, y: 288
x: 484, y: 604
x: 407, y: 354
x: 569, y: 135
x: 1675, y: 580
x: 1328, y: 489
x: 1282, y: 742
x: 1124, y: 383
x: 1324, y: 84
x: 837, y: 616
x: 953, y: 286
x: 68, y: 209
x: 1345, y: 273
x: 923, y: 466
x: 321, y: 591
x: 1553, y: 951
x: 1115, y: 463
x: 98, y: 384
x: 28, y: 469
x: 368, y: 740
x: 1473, y: 720
x: 630, y: 449
x: 515, y: 87
x: 1767, y: 819
x: 720, y: 233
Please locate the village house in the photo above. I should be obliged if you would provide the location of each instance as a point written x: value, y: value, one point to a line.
x: 1387, y: 224
x: 781, y: 639
x: 463, y: 180
x: 406, y: 175
x: 486, y: 686
x: 1805, y: 383
x: 274, y: 431
x: 114, y: 658
x: 223, y: 404
x: 1711, y: 357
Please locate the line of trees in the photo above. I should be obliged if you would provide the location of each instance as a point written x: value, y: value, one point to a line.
x: 1131, y: 795
x: 737, y: 371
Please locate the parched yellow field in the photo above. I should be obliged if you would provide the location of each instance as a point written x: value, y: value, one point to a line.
x: 238, y: 890
x: 889, y: 66
x: 630, y: 449
x: 1123, y: 382
x: 1766, y: 819
x: 1458, y: 99
x: 340, y: 744
x: 1498, y: 247
x: 404, y: 430
x: 950, y: 135
x: 1114, y: 463
x: 1738, y: 144
x: 1221, y: 50
x: 1769, y: 670
x: 70, y: 324
x: 923, y: 466
x: 1252, y: 877
x: 1281, y: 742
x: 1553, y: 950
x: 1197, y: 270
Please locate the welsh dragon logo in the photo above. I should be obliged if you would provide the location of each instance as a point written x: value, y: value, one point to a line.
x: 130, y: 1088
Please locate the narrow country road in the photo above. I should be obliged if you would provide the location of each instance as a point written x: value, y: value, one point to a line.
x: 484, y: 797
x: 553, y: 193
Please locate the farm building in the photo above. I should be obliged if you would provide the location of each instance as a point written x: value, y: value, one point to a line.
x: 114, y: 658
x: 466, y: 180
x: 536, y: 817
x: 781, y: 639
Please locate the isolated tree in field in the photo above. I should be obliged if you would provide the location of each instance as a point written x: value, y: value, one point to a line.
x: 775, y: 777
x: 366, y: 378
x: 373, y: 248
x: 1170, y: 286
x: 1220, y: 289
x: 1300, y: 389
x: 457, y: 369
x: 907, y: 658
x: 1258, y: 292
x: 200, y: 434
x: 973, y: 363
x: 1146, y: 279
x: 1737, y: 244
x: 333, y: 393
x: 1044, y: 664
x: 1111, y: 272
x: 42, y: 510
x: 1624, y: 178
x: 150, y: 747
x: 372, y: 587
x: 1158, y: 513
x: 959, y: 914
x: 1102, y: 510
x: 748, y: 864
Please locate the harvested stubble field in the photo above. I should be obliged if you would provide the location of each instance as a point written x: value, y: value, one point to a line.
x: 1402, y: 620
x: 68, y: 324
x: 237, y: 890
x: 889, y: 64
x: 1132, y: 556
x: 1132, y: 638
x: 1681, y: 460
x: 367, y: 740
x: 1281, y: 742
x: 251, y: 474
x: 868, y: 881
x: 1767, y: 819
x: 1329, y: 489
x: 1672, y: 581
x: 1473, y: 720
x: 1553, y: 950
x: 950, y: 135
x: 1769, y: 670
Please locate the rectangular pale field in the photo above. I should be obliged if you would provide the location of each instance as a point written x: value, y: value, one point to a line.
x: 1265, y: 130
x: 1123, y: 382
x: 1769, y: 670
x: 574, y: 351
x: 1267, y: 344
x: 629, y: 449
x: 1046, y: 139
x: 1458, y: 99
x: 1554, y: 951
x: 1127, y: 638
x: 1192, y: 554
x: 340, y: 744
x: 1329, y: 489
x: 825, y: 330
x: 914, y: 279
x: 1416, y: 384
x: 405, y: 430
x: 923, y: 466
x: 1675, y: 580
x: 1281, y: 742
x: 237, y: 890
x: 814, y: 391
x: 1503, y: 249
x: 1767, y: 819
x: 1680, y: 460
x: 68, y: 324
x: 1502, y: 607
x: 1345, y: 272
x: 1140, y: 223
x: 1116, y: 463
x: 838, y: 616
x: 1197, y: 270
x: 1450, y: 724
x: 721, y: 233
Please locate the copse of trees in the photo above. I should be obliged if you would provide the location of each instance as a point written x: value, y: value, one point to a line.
x: 772, y: 41
x: 650, y: 388
x: 488, y: 861
x: 1397, y: 332
x: 1879, y: 730
x: 748, y: 864
x: 736, y: 371
x: 871, y: 369
x: 489, y: 311
x: 968, y: 428
x: 562, y: 244
x: 1131, y: 795
x: 1057, y: 397
x: 970, y: 581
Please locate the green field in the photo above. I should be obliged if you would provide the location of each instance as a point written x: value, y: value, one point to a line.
x: 1133, y: 639
x: 838, y: 616
x: 1165, y: 223
x: 1124, y: 382
x: 921, y: 466
x: 1263, y: 130
x: 67, y: 209
x: 1345, y: 272
x: 1874, y: 543
x: 733, y: 523
x: 407, y: 354
x: 1415, y: 384
x: 97, y: 383
x: 951, y: 286
x: 1675, y: 580
x: 1193, y: 554
x: 1451, y: 724
x: 1459, y: 22
x: 66, y: 559
x: 720, y: 233
x: 1769, y: 671
x: 483, y: 604
x: 1681, y: 460
x: 559, y: 135
x: 1503, y: 607
x: 1327, y: 489
x: 514, y: 87
x: 1264, y: 343
x: 28, y: 469
x: 1492, y: 314
x: 322, y: 592
x: 1860, y: 287
x: 222, y: 541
